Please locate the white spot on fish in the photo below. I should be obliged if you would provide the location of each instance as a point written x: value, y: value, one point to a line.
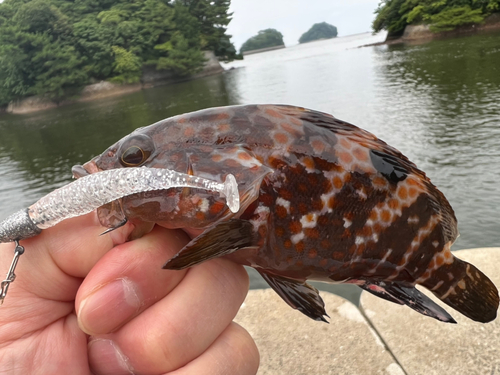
x: 347, y: 223
x: 362, y: 194
x: 413, y: 219
x: 359, y: 240
x: 309, y: 221
x: 204, y: 205
x: 297, y: 237
x: 283, y: 202
x: 435, y: 243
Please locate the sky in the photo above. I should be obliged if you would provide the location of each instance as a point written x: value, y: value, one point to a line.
x: 294, y: 17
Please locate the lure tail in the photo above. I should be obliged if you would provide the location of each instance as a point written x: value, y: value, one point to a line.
x: 466, y: 289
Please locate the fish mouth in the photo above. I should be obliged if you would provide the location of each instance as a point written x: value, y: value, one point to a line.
x: 85, y: 169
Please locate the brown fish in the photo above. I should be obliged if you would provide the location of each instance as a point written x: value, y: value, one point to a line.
x: 320, y: 200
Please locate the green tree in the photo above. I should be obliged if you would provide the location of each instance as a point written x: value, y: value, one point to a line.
x: 440, y: 15
x: 213, y: 17
x: 54, y: 47
x: 265, y: 38
x: 321, y: 30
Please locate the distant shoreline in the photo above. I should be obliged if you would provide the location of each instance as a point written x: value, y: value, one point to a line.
x: 104, y: 89
x: 422, y: 33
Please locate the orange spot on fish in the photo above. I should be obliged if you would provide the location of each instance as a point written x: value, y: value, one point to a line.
x: 325, y: 244
x: 337, y: 182
x: 285, y: 194
x: 244, y: 156
x: 200, y: 215
x: 413, y: 192
x: 287, y: 244
x: 323, y: 262
x: 318, y: 146
x: 224, y: 128
x: 262, y: 230
x: 345, y: 157
x: 281, y: 138
x: 386, y: 216
x: 274, y: 113
x: 394, y: 204
x: 295, y: 227
x: 374, y: 215
x: 290, y: 129
x: 308, y: 162
x: 311, y: 232
x: 338, y: 255
x: 345, y: 143
x: 313, y: 253
x: 281, y: 212
x: 403, y: 193
x: 188, y: 132
x: 299, y: 246
x: 279, y: 231
x: 439, y: 261
x: 379, y: 182
x: 216, y: 208
x: 303, y: 208
x: 295, y: 121
x: 216, y: 158
x: 360, y: 154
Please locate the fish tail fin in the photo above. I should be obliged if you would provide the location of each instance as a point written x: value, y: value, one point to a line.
x: 466, y: 289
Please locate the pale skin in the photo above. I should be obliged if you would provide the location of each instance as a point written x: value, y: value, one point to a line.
x: 89, y: 304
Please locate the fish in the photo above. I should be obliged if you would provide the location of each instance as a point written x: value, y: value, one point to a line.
x: 319, y: 199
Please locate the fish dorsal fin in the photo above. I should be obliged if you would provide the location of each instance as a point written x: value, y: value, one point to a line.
x: 409, y: 296
x: 221, y: 239
x: 298, y: 294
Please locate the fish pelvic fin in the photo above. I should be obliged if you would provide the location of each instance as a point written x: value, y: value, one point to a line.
x: 221, y: 239
x: 466, y: 289
x: 410, y: 296
x: 298, y: 294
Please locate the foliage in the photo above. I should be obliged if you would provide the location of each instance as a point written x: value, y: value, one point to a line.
x: 441, y: 15
x: 321, y: 30
x: 265, y: 38
x: 54, y: 47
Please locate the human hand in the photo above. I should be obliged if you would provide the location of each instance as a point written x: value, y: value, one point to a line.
x: 82, y: 305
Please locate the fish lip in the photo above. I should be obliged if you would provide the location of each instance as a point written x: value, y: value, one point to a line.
x: 85, y: 169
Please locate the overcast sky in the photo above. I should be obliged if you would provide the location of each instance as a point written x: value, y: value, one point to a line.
x: 294, y: 17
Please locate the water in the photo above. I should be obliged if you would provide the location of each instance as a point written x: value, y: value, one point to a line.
x: 438, y: 103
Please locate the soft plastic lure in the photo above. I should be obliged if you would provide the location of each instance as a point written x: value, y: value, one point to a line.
x: 95, y: 190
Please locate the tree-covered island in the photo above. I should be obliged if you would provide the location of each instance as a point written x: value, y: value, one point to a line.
x: 53, y: 48
x: 264, y: 39
x: 440, y: 15
x: 318, y: 31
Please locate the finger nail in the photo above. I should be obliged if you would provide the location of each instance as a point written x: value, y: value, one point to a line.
x: 109, y: 307
x: 105, y: 357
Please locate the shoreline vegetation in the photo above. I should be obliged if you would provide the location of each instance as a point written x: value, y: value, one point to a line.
x: 54, y: 49
x: 422, y: 33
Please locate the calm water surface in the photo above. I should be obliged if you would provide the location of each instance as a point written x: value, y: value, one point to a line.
x: 438, y: 103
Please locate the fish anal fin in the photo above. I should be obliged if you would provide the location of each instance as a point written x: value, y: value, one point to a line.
x: 297, y: 294
x: 410, y: 296
x: 221, y: 239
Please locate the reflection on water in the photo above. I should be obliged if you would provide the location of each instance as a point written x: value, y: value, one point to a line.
x: 439, y: 103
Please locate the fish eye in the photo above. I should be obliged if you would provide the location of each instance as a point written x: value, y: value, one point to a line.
x: 137, y: 150
x: 133, y: 156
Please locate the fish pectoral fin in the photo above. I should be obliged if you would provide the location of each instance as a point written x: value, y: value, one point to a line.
x: 409, y: 296
x: 298, y: 294
x: 221, y: 239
